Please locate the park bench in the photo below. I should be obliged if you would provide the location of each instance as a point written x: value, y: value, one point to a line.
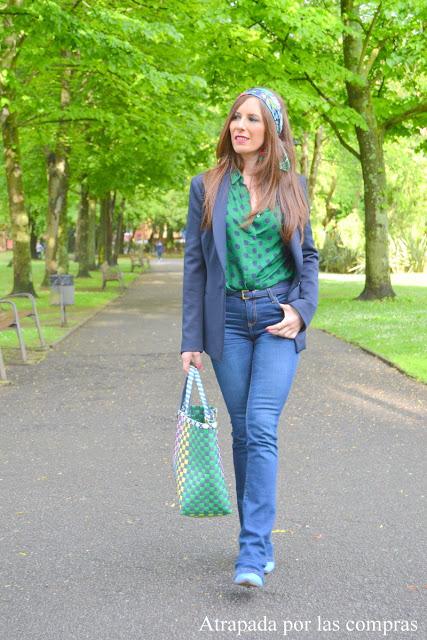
x: 111, y: 273
x: 137, y: 260
x: 11, y: 319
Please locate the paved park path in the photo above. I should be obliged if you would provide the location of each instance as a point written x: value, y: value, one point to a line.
x: 91, y: 542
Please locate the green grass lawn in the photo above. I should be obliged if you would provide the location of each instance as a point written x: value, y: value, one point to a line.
x: 88, y: 299
x: 395, y: 329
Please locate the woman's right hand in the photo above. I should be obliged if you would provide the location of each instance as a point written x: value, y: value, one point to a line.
x: 191, y: 357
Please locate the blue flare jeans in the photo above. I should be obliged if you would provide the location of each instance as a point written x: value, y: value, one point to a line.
x: 255, y: 375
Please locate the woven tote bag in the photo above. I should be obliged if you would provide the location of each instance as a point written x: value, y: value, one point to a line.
x: 199, y: 474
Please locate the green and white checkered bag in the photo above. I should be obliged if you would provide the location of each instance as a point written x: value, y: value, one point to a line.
x: 197, y: 464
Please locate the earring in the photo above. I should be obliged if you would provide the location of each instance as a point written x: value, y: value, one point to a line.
x: 262, y: 152
x: 285, y: 163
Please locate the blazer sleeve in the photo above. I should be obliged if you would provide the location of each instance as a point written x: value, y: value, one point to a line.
x: 194, y: 280
x: 306, y: 304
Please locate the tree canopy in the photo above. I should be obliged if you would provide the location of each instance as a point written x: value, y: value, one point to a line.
x: 127, y: 97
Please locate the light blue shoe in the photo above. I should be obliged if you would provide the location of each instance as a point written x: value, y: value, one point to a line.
x: 269, y: 566
x: 248, y: 580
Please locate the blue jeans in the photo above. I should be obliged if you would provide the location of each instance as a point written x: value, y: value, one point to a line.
x: 255, y: 376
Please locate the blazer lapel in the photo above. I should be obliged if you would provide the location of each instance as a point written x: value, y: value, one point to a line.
x: 295, y: 248
x: 218, y: 221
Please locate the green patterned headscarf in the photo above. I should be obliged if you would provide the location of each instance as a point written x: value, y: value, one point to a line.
x: 271, y: 102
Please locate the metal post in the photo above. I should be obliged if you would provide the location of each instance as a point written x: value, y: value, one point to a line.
x: 2, y: 368
x: 61, y: 297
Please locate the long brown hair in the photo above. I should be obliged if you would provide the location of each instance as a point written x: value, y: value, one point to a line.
x: 273, y: 186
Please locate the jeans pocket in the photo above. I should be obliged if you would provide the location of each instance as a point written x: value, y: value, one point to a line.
x: 280, y: 298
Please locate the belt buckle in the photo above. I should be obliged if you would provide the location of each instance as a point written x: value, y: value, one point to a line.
x: 242, y: 293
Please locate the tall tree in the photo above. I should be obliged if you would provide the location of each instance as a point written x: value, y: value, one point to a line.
x: 91, y: 243
x: 10, y: 47
x: 371, y: 156
x: 83, y: 227
x: 118, y: 232
x: 355, y: 65
x: 315, y: 162
x: 56, y: 257
x: 126, y: 67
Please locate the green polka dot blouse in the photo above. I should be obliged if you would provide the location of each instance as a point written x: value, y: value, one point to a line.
x: 256, y: 255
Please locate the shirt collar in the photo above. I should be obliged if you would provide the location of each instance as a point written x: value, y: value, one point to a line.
x: 235, y: 175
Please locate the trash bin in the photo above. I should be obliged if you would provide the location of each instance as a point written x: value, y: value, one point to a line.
x: 62, y: 289
x: 62, y: 293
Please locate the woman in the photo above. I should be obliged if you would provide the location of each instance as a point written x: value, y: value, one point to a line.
x: 250, y: 291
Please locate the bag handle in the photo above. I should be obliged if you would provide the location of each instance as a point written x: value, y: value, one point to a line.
x: 194, y: 374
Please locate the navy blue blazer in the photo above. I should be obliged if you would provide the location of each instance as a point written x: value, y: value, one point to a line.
x: 203, y: 298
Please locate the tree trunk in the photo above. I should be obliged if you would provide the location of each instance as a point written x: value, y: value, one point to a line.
x: 77, y: 235
x: 329, y: 208
x: 315, y: 162
x: 91, y: 249
x: 63, y: 260
x: 22, y: 275
x: 170, y: 243
x: 33, y: 234
x: 105, y: 237
x: 109, y: 237
x: 118, y: 236
x: 57, y: 186
x: 84, y: 233
x: 304, y: 154
x: 121, y: 240
x: 58, y: 180
x: 377, y: 283
x: 102, y: 234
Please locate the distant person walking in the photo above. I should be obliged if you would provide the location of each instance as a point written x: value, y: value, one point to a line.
x: 250, y: 291
x: 159, y: 249
x: 39, y: 249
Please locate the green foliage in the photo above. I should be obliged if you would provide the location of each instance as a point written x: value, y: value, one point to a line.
x: 160, y: 209
x: 335, y: 257
x: 151, y: 83
x: 135, y: 119
x: 406, y: 187
x: 409, y: 253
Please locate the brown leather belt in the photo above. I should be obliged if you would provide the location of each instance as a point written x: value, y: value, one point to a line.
x: 247, y: 294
